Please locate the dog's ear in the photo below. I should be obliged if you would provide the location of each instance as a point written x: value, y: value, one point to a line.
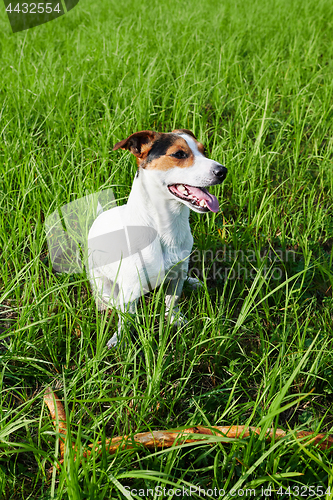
x: 183, y: 131
x: 139, y: 143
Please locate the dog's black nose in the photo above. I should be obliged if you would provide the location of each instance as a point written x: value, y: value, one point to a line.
x: 220, y: 171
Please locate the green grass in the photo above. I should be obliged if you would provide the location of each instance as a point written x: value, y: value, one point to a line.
x: 254, y: 81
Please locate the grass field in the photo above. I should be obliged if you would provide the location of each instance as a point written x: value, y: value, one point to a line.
x: 254, y: 81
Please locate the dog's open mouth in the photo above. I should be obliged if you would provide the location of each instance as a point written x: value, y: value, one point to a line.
x: 200, y: 198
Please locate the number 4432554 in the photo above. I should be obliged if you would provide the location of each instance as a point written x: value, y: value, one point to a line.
x: 304, y: 491
x: 30, y: 8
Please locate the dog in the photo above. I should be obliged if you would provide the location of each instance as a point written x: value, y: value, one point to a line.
x: 137, y: 244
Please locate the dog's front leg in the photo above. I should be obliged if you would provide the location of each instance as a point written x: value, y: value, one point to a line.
x: 173, y: 293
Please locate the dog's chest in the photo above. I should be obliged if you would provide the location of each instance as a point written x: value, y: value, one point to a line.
x: 177, y: 252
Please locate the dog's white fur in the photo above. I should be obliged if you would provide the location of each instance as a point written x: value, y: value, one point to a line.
x: 150, y: 204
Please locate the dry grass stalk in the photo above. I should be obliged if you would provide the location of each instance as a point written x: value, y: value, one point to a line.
x: 166, y: 439
x: 58, y: 416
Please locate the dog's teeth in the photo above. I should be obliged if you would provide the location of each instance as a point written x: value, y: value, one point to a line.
x: 193, y: 202
x: 202, y: 203
x: 191, y: 197
x: 181, y: 188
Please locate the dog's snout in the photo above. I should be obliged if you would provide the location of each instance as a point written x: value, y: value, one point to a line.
x: 220, y: 171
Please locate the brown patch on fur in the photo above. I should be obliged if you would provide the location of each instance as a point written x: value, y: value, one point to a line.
x: 167, y: 161
x: 184, y: 131
x: 200, y: 146
x: 141, y: 143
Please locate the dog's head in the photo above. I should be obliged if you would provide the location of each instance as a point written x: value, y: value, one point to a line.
x: 179, y: 161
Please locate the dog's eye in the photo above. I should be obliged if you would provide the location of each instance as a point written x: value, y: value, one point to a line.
x: 180, y: 155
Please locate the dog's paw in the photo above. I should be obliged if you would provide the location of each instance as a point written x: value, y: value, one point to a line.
x: 193, y: 283
x: 177, y: 319
x: 113, y: 341
x: 180, y: 321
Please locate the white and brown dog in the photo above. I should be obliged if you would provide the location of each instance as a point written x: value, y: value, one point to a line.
x: 132, y: 247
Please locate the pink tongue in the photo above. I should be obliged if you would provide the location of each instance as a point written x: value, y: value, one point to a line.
x: 203, y: 194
